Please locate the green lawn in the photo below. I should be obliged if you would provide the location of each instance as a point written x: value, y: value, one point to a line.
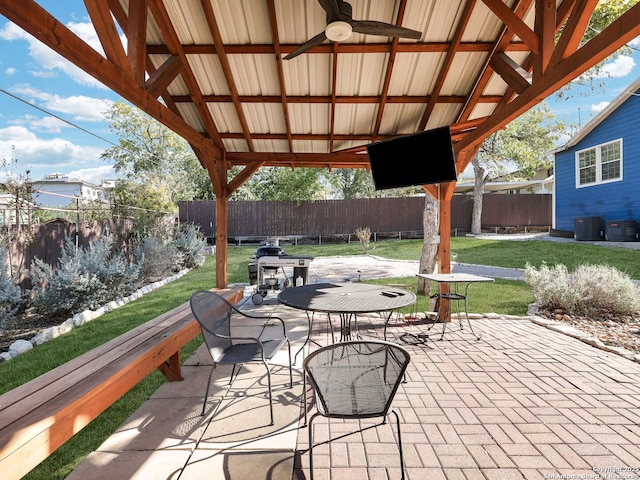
x: 504, y: 297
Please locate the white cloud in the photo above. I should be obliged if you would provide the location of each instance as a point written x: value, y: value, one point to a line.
x: 10, y: 71
x: 49, y: 62
x: 598, y: 107
x: 43, y: 156
x: 94, y: 175
x: 48, y: 124
x: 620, y: 67
x: 78, y: 107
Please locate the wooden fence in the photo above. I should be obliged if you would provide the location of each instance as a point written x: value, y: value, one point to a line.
x: 385, y: 217
x: 45, y: 241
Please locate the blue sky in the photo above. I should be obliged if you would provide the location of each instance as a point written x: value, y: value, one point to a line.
x: 34, y: 139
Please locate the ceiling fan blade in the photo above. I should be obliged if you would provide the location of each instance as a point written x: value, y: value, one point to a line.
x: 308, y: 45
x: 331, y: 7
x: 371, y: 27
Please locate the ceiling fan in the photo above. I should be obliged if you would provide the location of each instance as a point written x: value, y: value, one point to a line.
x: 340, y: 25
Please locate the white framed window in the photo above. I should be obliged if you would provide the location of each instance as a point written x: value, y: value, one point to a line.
x: 599, y: 164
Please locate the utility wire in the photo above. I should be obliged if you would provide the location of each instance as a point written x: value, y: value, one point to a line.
x: 59, y: 118
x: 74, y: 125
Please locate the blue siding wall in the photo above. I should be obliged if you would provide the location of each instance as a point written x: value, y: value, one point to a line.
x: 611, y: 201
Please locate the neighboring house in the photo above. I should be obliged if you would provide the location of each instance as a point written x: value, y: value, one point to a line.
x: 540, y: 183
x: 597, y: 172
x: 537, y: 186
x: 58, y: 190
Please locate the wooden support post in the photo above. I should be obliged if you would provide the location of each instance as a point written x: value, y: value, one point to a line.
x: 222, y: 216
x: 171, y: 368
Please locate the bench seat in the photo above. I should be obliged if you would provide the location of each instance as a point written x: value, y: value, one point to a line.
x: 38, y: 417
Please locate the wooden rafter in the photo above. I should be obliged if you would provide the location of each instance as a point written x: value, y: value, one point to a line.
x: 292, y: 99
x: 136, y: 31
x: 384, y: 94
x: 324, y: 49
x: 161, y: 17
x: 283, y: 92
x: 444, y: 70
x: 107, y: 33
x: 503, y: 39
x: 617, y: 34
x: 226, y: 69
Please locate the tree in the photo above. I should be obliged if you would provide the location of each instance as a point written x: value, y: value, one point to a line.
x: 283, y: 184
x: 158, y: 166
x: 348, y: 183
x: 149, y: 153
x: 519, y: 150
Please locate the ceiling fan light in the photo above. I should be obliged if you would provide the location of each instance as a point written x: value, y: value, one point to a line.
x: 338, y: 31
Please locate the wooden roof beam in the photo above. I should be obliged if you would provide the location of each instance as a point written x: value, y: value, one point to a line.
x: 388, y: 72
x: 313, y: 160
x: 515, y: 23
x: 513, y: 74
x: 269, y: 49
x: 136, y: 32
x: 338, y: 99
x: 244, y: 175
x: 39, y: 23
x: 573, y: 32
x: 283, y: 92
x: 226, y: 69
x: 448, y: 61
x: 107, y: 33
x: 545, y: 26
x: 616, y: 35
x: 502, y: 40
x: 171, y: 38
x: 159, y: 80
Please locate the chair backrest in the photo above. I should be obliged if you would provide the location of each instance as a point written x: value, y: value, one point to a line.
x: 357, y: 378
x: 213, y: 313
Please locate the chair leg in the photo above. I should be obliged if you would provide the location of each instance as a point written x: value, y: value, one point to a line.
x: 206, y: 395
x: 304, y: 397
x: 233, y: 371
x: 290, y: 371
x: 310, y: 433
x: 270, y: 396
x: 399, y: 444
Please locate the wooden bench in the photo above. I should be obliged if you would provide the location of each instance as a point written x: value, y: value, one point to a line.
x: 38, y: 417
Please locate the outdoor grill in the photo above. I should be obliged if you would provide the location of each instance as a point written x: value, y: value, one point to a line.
x: 272, y: 269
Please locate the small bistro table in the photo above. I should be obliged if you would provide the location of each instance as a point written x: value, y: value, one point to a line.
x: 346, y: 300
x: 445, y: 282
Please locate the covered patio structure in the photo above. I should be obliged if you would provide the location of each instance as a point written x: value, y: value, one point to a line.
x: 216, y: 74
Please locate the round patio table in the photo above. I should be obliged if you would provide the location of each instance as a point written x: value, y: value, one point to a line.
x: 347, y: 300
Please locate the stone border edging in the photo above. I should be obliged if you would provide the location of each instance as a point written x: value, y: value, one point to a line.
x: 21, y: 346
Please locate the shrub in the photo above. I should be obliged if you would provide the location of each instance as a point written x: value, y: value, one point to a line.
x: 10, y: 294
x: 591, y: 290
x: 82, y: 280
x: 156, y: 259
x: 364, y: 235
x: 190, y: 243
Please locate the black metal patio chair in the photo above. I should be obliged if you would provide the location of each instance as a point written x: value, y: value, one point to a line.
x: 355, y: 380
x: 225, y: 347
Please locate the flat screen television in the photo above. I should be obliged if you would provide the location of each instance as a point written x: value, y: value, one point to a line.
x: 417, y: 159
